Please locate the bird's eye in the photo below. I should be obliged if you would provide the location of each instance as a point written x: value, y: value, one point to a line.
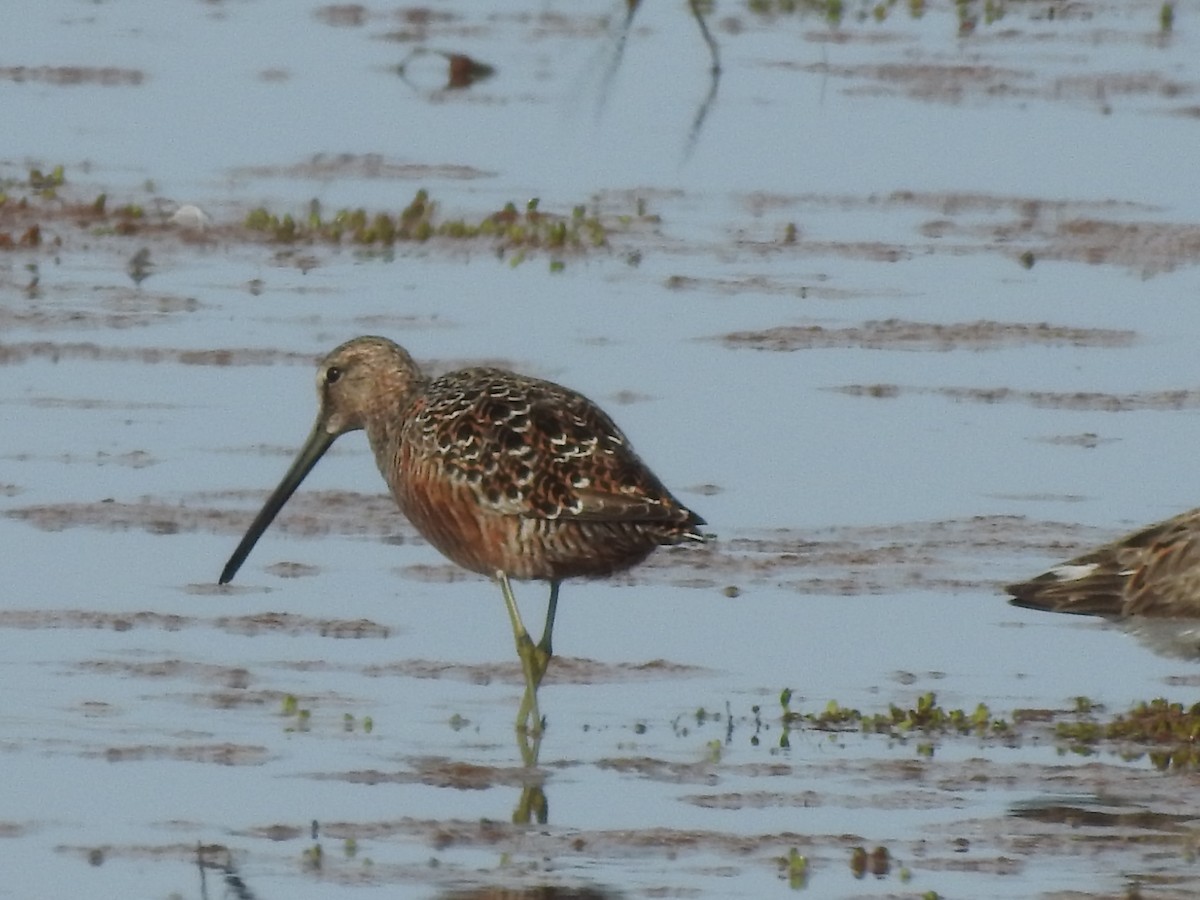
x: 332, y: 375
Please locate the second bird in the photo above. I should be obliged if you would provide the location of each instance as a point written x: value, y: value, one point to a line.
x: 508, y: 476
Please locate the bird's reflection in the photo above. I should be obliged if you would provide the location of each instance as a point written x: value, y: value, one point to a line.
x: 532, y: 805
x: 1171, y: 637
x: 618, y: 55
x: 1174, y: 638
x: 219, y: 859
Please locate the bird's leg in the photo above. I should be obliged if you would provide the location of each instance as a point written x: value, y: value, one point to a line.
x: 535, y: 659
x: 544, y: 651
x: 532, y: 805
x: 528, y: 716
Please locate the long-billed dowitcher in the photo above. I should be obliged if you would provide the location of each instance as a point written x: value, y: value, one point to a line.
x: 1153, y: 572
x: 508, y: 476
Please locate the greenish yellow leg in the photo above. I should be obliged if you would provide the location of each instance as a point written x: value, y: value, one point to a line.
x: 529, y: 718
x: 532, y: 663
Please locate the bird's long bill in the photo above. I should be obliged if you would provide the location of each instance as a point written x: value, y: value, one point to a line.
x: 314, y: 448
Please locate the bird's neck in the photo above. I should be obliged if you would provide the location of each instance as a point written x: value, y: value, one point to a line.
x: 387, y: 417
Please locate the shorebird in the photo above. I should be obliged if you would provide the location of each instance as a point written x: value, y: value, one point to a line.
x: 1153, y: 572
x: 506, y: 475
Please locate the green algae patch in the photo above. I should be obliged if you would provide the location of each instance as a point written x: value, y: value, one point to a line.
x: 1167, y: 734
x: 1164, y: 733
x: 41, y: 208
x: 926, y: 717
x: 506, y: 229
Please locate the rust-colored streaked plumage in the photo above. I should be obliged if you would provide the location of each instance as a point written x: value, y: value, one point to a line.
x: 508, y: 476
x: 1154, y: 572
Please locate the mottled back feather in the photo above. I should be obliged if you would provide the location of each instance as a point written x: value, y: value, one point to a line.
x: 532, y: 448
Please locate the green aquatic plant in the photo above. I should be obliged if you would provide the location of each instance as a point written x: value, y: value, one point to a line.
x: 1167, y: 734
x: 47, y: 185
x: 785, y: 700
x: 1172, y: 729
x: 795, y: 869
x: 518, y: 231
x: 313, y: 858
x: 926, y: 716
x: 34, y: 211
x: 291, y: 709
x: 35, y: 180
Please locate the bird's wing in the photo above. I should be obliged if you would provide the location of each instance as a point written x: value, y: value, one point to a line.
x: 533, y: 448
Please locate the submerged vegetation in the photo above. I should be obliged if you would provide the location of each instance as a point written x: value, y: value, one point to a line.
x: 1164, y: 733
x: 1168, y: 734
x: 926, y: 716
x: 526, y: 229
x: 299, y: 718
x: 41, y: 209
x: 969, y: 13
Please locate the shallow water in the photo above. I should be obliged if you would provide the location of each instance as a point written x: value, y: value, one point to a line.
x: 871, y: 416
